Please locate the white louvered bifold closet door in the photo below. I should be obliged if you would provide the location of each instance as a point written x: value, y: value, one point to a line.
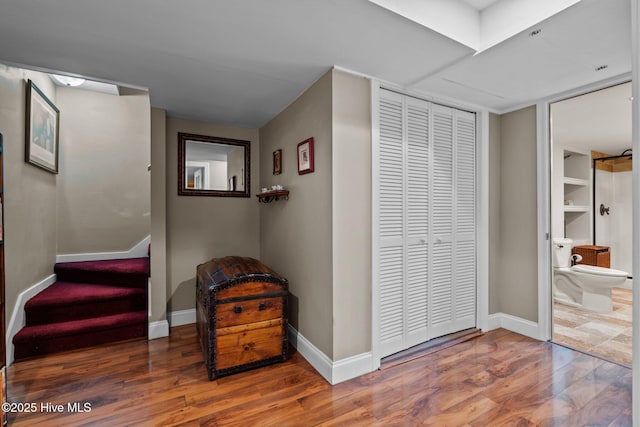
x: 426, y: 221
x: 391, y: 230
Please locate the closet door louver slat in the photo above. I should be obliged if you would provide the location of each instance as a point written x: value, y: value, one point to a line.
x: 417, y: 220
x: 465, y: 202
x: 441, y: 302
x: 391, y: 262
x: 426, y: 217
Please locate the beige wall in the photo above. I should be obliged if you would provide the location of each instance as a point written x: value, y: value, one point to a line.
x: 103, y: 186
x: 29, y: 192
x: 319, y: 239
x: 201, y: 228
x: 494, y: 212
x: 158, y: 302
x: 518, y: 277
x: 351, y: 186
x: 295, y: 235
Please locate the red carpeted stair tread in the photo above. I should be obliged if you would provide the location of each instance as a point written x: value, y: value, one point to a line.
x: 71, y: 293
x: 78, y: 327
x: 67, y: 301
x: 125, y: 265
x: 118, y: 272
x: 93, y: 302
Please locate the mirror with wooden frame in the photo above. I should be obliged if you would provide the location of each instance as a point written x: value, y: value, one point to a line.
x: 213, y: 166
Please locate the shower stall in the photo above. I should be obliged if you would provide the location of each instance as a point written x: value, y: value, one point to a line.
x: 612, y: 208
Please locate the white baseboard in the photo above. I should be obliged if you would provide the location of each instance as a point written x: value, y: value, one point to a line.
x: 494, y: 321
x: 140, y: 250
x: 333, y: 372
x: 182, y: 317
x: 158, y: 329
x: 312, y: 354
x: 352, y: 367
x: 515, y: 324
x: 18, y: 320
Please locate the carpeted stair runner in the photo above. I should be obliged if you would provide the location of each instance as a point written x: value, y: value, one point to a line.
x: 92, y: 302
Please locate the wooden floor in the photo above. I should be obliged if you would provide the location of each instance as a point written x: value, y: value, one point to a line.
x: 499, y: 378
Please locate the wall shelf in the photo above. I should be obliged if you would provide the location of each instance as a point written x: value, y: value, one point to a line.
x: 272, y: 196
x: 576, y: 208
x: 577, y: 188
x: 576, y: 181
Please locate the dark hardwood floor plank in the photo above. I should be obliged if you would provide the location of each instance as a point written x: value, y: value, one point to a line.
x: 498, y: 378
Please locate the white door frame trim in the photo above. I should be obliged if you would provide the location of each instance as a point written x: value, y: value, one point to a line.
x: 544, y: 221
x: 635, y: 69
x: 544, y: 198
x: 375, y: 224
x: 482, y: 207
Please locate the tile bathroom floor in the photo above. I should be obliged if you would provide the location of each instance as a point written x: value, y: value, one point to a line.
x: 607, y: 335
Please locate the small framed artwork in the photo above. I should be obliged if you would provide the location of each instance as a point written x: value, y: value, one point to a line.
x: 305, y: 157
x: 42, y: 127
x: 277, y: 162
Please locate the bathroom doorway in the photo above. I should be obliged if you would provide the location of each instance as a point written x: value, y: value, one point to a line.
x: 591, y: 211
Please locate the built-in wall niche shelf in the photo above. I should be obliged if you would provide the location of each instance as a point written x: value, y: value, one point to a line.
x: 273, y: 196
x: 576, y: 181
x: 576, y: 208
x: 575, y: 166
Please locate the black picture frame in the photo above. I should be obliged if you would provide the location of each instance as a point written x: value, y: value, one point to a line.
x: 277, y: 162
x: 42, y: 148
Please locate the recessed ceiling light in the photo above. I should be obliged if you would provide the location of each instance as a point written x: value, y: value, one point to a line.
x: 601, y: 67
x: 535, y: 32
x: 67, y: 81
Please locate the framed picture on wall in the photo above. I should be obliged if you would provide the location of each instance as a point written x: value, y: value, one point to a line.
x: 42, y: 127
x: 277, y: 162
x: 305, y: 157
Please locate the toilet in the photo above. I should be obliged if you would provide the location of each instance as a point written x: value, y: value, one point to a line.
x: 583, y: 286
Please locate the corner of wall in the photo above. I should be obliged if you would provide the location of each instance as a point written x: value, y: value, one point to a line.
x: 158, y: 289
x: 518, y: 242
x: 295, y: 235
x: 351, y: 214
x: 333, y: 371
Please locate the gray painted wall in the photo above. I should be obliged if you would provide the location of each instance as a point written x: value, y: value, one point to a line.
x: 494, y: 212
x: 158, y: 302
x: 319, y: 239
x: 517, y: 281
x: 296, y: 235
x: 29, y: 192
x: 351, y: 187
x: 201, y: 228
x: 103, y: 186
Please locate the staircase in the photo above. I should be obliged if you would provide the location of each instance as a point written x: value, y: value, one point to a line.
x: 92, y: 302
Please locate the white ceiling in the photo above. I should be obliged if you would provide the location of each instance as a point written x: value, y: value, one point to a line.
x: 564, y: 55
x: 480, y: 4
x: 599, y: 121
x: 241, y: 62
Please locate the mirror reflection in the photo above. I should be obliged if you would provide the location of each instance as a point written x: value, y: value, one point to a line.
x: 211, y: 166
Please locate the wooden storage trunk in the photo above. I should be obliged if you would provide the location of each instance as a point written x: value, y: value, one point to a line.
x: 240, y: 315
x: 599, y: 256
